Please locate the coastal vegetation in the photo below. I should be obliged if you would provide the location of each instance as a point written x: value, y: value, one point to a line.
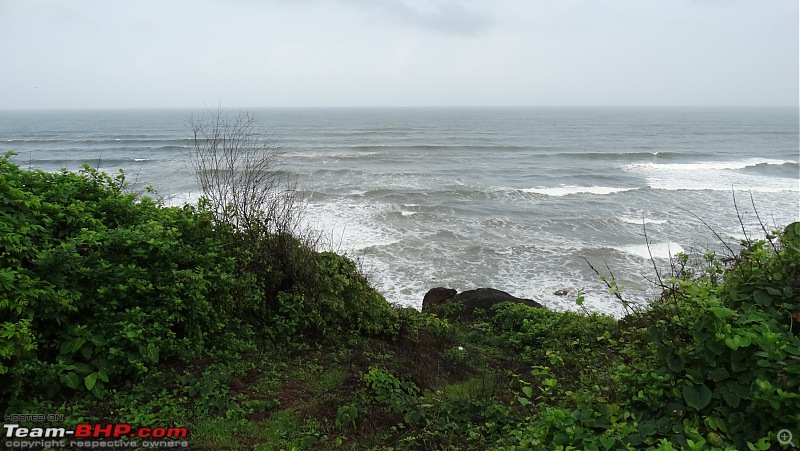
x: 222, y: 318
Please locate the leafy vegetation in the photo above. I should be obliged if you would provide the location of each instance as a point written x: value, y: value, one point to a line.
x: 114, y: 307
x: 98, y: 286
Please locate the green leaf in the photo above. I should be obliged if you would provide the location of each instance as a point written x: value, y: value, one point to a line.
x: 675, y: 363
x: 731, y: 398
x: 83, y: 368
x: 718, y: 374
x: 607, y: 442
x: 76, y: 344
x: 721, y: 312
x: 90, y: 380
x: 70, y: 379
x: 647, y: 429
x: 656, y: 333
x: 98, y: 340
x: 762, y: 298
x: 528, y: 391
x: 663, y: 424
x: 697, y: 396
x: 523, y: 401
x: 99, y: 390
x: 153, y: 353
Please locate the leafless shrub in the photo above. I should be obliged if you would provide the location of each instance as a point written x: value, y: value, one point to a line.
x: 242, y: 177
x: 240, y: 173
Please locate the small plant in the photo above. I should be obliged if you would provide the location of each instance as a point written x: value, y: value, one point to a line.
x: 347, y: 414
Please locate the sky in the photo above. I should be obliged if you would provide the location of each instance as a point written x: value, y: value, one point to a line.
x: 350, y: 53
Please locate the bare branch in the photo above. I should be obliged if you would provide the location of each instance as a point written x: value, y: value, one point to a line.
x: 733, y: 254
x: 761, y: 223
x: 240, y: 172
x: 739, y: 216
x: 650, y: 252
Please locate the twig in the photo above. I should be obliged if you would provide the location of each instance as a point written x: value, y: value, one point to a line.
x: 739, y: 216
x: 761, y: 223
x: 733, y: 254
x: 650, y: 253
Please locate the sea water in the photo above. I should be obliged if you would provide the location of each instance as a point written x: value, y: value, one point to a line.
x: 519, y: 199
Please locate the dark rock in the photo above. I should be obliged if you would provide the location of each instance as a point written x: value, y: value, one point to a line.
x: 486, y: 298
x: 561, y: 292
x: 436, y: 296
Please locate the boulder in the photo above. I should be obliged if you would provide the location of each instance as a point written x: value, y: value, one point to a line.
x: 561, y: 292
x: 436, y: 296
x: 486, y: 298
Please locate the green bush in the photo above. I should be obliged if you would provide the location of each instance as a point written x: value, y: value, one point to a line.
x: 724, y: 352
x: 532, y: 332
x: 97, y: 284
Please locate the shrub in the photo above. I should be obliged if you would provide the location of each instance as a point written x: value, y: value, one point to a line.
x: 532, y: 331
x: 97, y: 284
x: 722, y: 351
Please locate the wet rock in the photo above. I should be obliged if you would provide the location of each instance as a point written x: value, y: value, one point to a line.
x: 486, y: 298
x: 561, y: 292
x: 436, y: 296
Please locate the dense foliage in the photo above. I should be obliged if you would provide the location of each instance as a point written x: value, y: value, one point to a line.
x: 255, y: 340
x: 98, y: 286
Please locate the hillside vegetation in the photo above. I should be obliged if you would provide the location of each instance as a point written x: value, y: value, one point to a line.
x: 114, y: 307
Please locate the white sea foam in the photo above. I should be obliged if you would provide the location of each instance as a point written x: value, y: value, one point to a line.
x: 566, y: 190
x: 707, y: 165
x: 349, y: 224
x: 658, y: 250
x: 638, y: 221
x: 713, y: 176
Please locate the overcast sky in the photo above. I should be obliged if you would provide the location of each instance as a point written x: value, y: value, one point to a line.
x: 306, y: 53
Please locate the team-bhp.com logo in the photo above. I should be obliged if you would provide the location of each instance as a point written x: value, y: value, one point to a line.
x: 86, y: 435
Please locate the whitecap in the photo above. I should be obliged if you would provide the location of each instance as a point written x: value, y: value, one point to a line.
x: 566, y: 190
x: 713, y: 176
x: 705, y: 165
x: 638, y: 221
x: 657, y: 250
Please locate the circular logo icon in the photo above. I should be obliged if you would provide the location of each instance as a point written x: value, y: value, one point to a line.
x: 785, y: 437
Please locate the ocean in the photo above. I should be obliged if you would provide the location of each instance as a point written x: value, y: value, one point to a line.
x: 517, y: 199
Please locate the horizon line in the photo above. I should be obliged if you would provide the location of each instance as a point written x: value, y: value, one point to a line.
x: 356, y: 107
